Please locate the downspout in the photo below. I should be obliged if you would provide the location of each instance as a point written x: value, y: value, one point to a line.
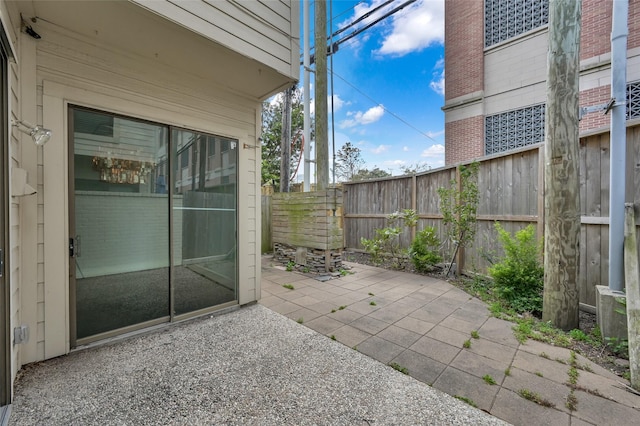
x: 618, y: 143
x: 307, y: 96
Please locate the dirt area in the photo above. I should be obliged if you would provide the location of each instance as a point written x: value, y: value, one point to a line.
x: 598, y: 353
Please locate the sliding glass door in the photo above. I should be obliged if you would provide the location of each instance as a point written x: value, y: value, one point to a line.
x: 153, y: 218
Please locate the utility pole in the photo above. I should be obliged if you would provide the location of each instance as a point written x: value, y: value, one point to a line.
x: 322, y: 143
x: 561, y: 173
x: 285, y: 141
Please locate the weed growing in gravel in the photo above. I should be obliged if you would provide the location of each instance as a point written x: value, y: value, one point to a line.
x: 398, y: 367
x: 300, y: 320
x: 467, y: 400
x: 289, y: 286
x: 333, y: 337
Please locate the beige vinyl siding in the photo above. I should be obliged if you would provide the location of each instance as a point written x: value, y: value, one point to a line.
x: 15, y: 268
x: 78, y: 70
x: 256, y: 29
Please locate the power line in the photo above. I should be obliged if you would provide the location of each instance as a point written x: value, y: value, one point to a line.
x: 384, y: 108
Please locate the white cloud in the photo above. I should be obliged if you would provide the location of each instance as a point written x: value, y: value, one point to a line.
x: 361, y: 118
x: 338, y: 103
x: 380, y: 149
x: 435, y: 154
x: 435, y: 134
x: 437, y: 83
x: 414, y: 28
x: 406, y: 149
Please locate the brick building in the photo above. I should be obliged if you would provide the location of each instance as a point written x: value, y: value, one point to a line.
x: 496, y: 60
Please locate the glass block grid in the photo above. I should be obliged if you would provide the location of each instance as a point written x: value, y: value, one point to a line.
x: 633, y: 100
x: 513, y: 129
x: 504, y: 19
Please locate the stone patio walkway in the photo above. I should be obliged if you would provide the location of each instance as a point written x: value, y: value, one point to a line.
x: 421, y: 324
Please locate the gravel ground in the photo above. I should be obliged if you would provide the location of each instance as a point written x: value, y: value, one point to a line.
x: 249, y: 366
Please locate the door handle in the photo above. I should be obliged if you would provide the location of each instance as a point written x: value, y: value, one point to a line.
x: 74, y: 246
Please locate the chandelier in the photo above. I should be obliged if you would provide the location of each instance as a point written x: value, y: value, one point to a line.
x: 116, y: 170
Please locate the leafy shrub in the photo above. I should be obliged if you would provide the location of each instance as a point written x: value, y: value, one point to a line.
x: 424, y: 250
x: 519, y: 276
x: 387, y: 240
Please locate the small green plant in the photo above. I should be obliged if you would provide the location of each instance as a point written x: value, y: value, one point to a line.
x: 291, y: 265
x: 519, y: 276
x: 537, y: 373
x: 333, y: 311
x: 300, y: 320
x: 475, y: 334
x: 507, y: 372
x: 579, y: 335
x: 305, y: 269
x: 342, y: 307
x: 371, y: 294
x: 372, y: 303
x: 288, y: 286
x: 535, y: 397
x: 387, y: 240
x: 618, y: 346
x: 398, y: 367
x: 572, y: 401
x: 488, y: 379
x: 333, y: 337
x: 424, y: 250
x: 459, y: 207
x: 467, y: 344
x: 544, y: 355
x: 344, y: 272
x: 467, y: 400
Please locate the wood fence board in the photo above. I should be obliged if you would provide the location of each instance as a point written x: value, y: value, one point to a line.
x: 511, y: 191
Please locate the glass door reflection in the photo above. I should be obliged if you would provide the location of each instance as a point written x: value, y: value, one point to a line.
x: 204, y: 220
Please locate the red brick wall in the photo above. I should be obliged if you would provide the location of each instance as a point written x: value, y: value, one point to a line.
x: 464, y: 139
x: 596, y: 27
x: 596, y: 96
x: 464, y: 47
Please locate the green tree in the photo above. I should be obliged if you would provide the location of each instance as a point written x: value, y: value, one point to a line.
x: 415, y: 168
x: 348, y: 162
x: 271, y: 136
x: 375, y: 173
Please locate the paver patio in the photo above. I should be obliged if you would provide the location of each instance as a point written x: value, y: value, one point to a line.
x: 421, y: 324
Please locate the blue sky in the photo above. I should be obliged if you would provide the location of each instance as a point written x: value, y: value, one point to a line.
x: 389, y: 84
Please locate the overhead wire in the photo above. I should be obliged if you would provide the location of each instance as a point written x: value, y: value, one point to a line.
x: 396, y: 116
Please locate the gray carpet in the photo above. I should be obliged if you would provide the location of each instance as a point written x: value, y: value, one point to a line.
x: 110, y: 302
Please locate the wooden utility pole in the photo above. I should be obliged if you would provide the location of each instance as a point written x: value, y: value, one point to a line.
x: 561, y: 175
x: 285, y: 141
x: 321, y: 105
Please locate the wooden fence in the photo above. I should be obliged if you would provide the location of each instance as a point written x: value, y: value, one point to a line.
x: 511, y: 190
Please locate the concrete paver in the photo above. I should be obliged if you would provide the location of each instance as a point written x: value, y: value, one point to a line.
x: 421, y: 324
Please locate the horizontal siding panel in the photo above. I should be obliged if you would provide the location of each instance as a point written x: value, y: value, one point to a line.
x: 211, y: 22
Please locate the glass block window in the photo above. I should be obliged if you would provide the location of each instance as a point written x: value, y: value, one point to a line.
x: 633, y: 100
x: 513, y: 129
x: 504, y: 19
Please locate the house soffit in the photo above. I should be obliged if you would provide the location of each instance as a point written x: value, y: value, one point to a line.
x: 128, y: 27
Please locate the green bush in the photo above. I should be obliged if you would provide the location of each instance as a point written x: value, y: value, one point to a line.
x: 424, y: 250
x: 387, y: 240
x: 519, y: 276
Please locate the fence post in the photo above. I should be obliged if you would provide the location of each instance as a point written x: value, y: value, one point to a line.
x: 540, y: 230
x: 460, y: 255
x: 414, y: 205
